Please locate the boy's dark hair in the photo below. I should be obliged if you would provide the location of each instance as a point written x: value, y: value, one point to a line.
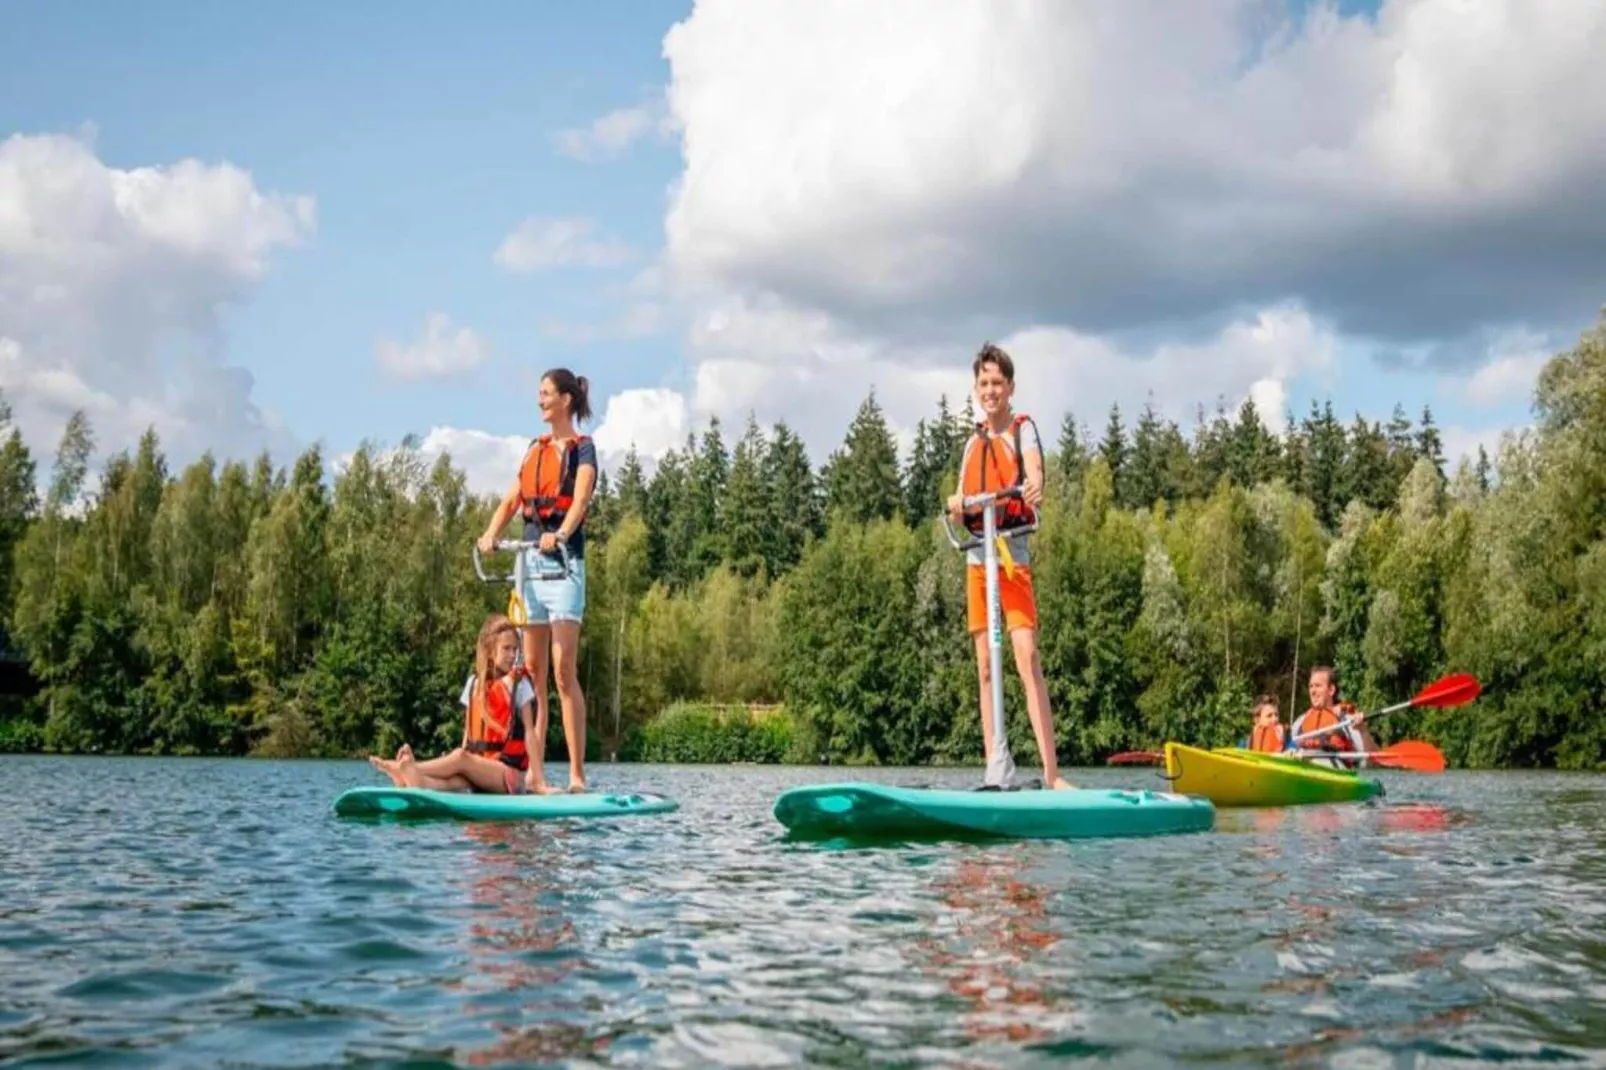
x: 991, y: 354
x: 1267, y: 700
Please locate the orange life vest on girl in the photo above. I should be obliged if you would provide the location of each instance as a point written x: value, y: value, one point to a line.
x: 546, y: 480
x: 989, y: 468
x: 495, y: 728
x: 1330, y: 717
x: 1267, y: 738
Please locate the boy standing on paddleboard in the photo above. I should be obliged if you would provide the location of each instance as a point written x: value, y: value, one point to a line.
x: 1005, y: 451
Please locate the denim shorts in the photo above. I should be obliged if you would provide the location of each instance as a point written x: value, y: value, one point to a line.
x: 547, y: 600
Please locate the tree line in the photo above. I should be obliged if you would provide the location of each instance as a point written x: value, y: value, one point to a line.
x: 234, y: 608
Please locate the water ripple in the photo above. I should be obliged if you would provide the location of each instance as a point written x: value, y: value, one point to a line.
x: 210, y: 913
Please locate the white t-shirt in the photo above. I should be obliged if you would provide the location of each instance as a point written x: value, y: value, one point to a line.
x: 1029, y: 443
x: 521, y: 694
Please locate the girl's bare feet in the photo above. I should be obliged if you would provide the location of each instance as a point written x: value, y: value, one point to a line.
x: 1061, y: 784
x: 386, y: 767
x: 407, y: 769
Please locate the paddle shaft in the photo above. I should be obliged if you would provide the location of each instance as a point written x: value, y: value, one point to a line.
x: 1001, y: 765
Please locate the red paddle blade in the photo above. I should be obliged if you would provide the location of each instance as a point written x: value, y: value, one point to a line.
x: 1455, y: 690
x: 1135, y: 757
x: 1413, y: 754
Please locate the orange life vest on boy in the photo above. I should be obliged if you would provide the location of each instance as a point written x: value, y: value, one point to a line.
x: 546, y: 480
x: 1267, y: 738
x: 1330, y: 717
x: 494, y: 727
x: 991, y: 467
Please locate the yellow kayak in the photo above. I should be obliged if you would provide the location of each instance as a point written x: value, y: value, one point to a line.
x: 1229, y: 776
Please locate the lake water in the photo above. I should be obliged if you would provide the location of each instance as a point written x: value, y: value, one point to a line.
x: 199, y: 913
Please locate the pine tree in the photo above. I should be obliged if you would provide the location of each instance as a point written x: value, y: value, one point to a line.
x: 1072, y: 452
x: 746, y: 520
x: 862, y: 477
x: 793, y: 500
x: 632, y: 490
x: 1143, y: 481
x: 1114, y: 450
x: 1428, y: 443
x: 1401, y: 446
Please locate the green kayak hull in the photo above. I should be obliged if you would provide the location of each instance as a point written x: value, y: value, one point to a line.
x: 1228, y: 776
x: 420, y: 803
x: 874, y: 811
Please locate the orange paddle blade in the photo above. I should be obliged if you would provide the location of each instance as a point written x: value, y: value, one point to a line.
x: 1413, y: 754
x: 1135, y: 757
x: 1455, y: 690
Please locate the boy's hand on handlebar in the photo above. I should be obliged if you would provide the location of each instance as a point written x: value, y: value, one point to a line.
x: 487, y: 543
x: 549, y: 541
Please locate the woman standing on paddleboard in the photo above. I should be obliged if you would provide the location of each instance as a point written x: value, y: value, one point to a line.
x: 1005, y: 451
x: 552, y: 493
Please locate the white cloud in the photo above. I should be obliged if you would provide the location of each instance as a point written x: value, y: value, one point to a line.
x: 440, y: 352
x: 653, y: 420
x: 537, y: 244
x: 1199, y: 201
x: 112, y: 282
x: 613, y: 133
x: 1463, y: 442
x: 489, y: 462
x: 972, y: 167
x: 800, y: 367
x: 1514, y: 362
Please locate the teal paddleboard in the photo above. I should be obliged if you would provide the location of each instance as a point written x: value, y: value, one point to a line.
x: 422, y: 803
x: 885, y: 811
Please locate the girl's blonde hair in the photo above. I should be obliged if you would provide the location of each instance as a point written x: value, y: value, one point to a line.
x: 485, y: 649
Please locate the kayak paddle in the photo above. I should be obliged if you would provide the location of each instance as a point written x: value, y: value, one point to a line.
x: 1413, y: 754
x: 1135, y: 757
x: 1456, y: 689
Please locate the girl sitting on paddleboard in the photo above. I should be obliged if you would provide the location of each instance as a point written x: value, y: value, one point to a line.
x: 552, y: 494
x: 498, y: 706
x: 1006, y: 450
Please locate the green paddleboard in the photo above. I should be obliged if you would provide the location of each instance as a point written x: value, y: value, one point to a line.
x: 422, y: 803
x: 884, y: 811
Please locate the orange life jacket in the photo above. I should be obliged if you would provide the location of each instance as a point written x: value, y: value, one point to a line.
x: 1330, y: 717
x: 987, y: 469
x: 546, y: 480
x: 494, y: 726
x: 1267, y: 738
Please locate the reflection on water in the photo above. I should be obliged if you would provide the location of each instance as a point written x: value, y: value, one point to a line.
x: 208, y: 913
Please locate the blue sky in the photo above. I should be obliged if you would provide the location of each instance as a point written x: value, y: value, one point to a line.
x: 427, y: 134
x: 425, y: 131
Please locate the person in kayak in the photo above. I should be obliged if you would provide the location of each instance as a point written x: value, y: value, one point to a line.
x: 1267, y: 735
x: 1326, y: 712
x: 498, y: 719
x: 552, y: 494
x: 1005, y: 451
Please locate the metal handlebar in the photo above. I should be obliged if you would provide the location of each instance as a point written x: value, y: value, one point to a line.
x: 519, y: 546
x: 984, y: 502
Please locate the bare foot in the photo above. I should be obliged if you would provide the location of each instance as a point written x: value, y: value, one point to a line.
x: 386, y: 767
x: 547, y: 789
x: 408, y: 771
x: 405, y: 752
x: 577, y: 787
x: 1061, y: 784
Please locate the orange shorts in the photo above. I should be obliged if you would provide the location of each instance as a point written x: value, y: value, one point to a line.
x: 1014, y: 594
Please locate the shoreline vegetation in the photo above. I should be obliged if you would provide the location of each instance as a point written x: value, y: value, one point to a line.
x: 748, y: 605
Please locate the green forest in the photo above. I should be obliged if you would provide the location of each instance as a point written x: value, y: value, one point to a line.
x: 747, y: 604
